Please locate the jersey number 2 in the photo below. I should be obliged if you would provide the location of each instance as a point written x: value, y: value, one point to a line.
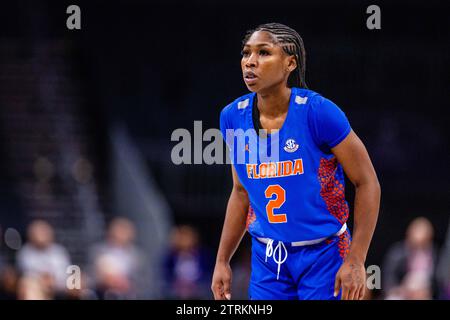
x: 280, y: 198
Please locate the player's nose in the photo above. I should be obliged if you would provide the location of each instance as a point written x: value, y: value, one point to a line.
x: 251, y: 61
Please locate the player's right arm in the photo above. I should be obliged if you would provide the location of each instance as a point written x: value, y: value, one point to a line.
x: 232, y: 233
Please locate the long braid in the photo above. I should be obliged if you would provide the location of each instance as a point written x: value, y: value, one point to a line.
x: 292, y: 44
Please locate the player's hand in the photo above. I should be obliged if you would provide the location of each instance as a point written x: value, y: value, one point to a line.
x: 351, y: 277
x: 221, y: 281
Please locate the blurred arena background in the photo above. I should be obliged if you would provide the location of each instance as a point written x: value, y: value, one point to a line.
x: 86, y: 118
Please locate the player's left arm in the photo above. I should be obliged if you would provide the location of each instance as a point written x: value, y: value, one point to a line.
x: 352, y: 155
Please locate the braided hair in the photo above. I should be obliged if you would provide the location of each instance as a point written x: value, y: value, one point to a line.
x: 292, y: 44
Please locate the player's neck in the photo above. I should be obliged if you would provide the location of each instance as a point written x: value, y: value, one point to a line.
x: 275, y: 102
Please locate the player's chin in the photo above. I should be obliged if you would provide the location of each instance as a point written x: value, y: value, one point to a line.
x: 253, y: 87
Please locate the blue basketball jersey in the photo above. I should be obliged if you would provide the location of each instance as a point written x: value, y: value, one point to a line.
x: 294, y: 182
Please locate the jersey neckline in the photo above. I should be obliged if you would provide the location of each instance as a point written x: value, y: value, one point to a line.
x: 280, y: 131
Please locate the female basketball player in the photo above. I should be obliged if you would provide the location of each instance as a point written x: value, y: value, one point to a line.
x: 294, y: 206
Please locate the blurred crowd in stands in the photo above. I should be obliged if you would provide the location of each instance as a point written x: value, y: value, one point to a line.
x: 116, y: 267
x: 414, y: 269
x: 41, y: 269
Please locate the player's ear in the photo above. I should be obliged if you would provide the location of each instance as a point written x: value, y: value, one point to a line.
x: 291, y: 63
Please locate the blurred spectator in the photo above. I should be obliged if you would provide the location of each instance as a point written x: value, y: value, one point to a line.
x: 8, y: 283
x: 444, y: 269
x: 187, y: 266
x: 409, y: 267
x: 117, y: 263
x: 32, y: 287
x: 42, y: 261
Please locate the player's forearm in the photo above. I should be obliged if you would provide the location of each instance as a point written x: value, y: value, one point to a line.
x: 234, y: 225
x: 367, y: 205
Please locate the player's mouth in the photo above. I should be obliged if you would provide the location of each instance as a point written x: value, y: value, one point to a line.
x: 250, y: 77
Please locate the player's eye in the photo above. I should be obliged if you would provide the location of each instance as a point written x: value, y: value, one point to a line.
x: 264, y: 52
x: 244, y: 53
